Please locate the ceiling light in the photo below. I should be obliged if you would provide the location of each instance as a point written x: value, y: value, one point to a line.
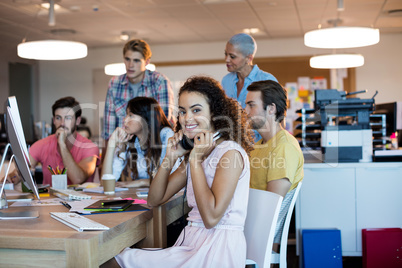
x: 52, y: 50
x: 337, y: 61
x: 342, y: 37
x: 251, y: 30
x: 151, y: 67
x: 47, y: 6
x: 124, y: 37
x: 119, y: 68
x: 127, y: 35
x: 115, y: 69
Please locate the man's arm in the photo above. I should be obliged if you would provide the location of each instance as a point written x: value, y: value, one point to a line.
x: 33, y: 161
x: 280, y: 186
x: 78, y: 172
x: 109, y: 121
x: 109, y: 117
x: 165, y: 97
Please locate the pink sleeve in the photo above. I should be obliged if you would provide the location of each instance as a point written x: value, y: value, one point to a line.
x: 35, y: 150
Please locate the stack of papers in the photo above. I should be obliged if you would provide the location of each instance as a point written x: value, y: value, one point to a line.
x: 99, y: 190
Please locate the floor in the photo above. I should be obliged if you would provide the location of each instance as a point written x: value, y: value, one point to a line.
x: 348, y: 262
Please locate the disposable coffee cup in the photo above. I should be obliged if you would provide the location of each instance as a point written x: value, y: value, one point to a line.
x: 108, y: 183
x: 59, y: 181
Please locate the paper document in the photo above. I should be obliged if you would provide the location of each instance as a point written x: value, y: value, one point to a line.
x: 99, y: 190
x: 33, y: 203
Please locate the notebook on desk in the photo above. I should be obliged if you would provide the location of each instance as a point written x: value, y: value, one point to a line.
x: 109, y: 205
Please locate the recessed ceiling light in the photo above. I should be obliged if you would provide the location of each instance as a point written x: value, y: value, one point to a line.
x: 251, y: 30
x: 47, y: 6
x: 127, y: 35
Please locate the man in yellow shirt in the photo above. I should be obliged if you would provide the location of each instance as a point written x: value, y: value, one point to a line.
x: 277, y: 160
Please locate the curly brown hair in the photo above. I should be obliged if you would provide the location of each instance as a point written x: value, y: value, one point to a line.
x: 226, y: 113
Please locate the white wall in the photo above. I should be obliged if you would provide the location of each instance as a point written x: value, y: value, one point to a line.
x: 382, y: 70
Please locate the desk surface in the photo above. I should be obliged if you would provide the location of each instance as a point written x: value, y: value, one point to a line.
x: 45, y: 242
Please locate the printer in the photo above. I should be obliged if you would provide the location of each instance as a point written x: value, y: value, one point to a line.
x: 346, y: 135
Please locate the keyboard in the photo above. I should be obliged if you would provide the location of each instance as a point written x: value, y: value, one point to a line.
x: 70, y: 194
x: 78, y: 222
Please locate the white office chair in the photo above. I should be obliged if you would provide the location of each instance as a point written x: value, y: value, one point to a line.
x: 259, y: 230
x: 281, y: 256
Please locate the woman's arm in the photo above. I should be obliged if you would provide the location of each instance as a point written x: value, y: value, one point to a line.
x: 119, y: 136
x: 213, y: 202
x: 164, y: 185
x: 134, y: 183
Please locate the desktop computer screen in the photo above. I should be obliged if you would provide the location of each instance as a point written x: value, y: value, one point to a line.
x: 18, y: 144
x: 393, y: 112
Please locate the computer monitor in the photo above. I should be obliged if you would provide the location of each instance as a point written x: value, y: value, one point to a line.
x: 18, y: 144
x: 393, y: 111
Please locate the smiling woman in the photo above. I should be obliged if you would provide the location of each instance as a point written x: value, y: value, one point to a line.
x: 216, y: 176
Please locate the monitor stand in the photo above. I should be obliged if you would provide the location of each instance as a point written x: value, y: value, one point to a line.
x: 11, y: 215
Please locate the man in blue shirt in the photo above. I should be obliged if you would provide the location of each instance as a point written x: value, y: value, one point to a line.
x: 239, y: 55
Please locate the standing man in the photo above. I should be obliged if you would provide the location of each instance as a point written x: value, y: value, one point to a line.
x: 276, y: 163
x: 239, y: 55
x: 66, y: 148
x: 137, y: 81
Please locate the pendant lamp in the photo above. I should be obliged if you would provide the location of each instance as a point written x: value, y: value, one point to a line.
x: 337, y: 61
x: 342, y: 37
x: 119, y: 68
x: 52, y: 49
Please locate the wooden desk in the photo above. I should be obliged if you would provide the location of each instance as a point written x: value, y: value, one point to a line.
x: 45, y: 242
x: 165, y: 215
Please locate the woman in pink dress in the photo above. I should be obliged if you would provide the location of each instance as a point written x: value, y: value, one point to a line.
x: 216, y: 173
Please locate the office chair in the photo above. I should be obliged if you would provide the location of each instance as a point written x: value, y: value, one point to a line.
x: 281, y: 256
x: 259, y: 230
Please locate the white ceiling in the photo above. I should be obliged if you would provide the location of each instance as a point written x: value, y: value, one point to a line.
x: 98, y: 23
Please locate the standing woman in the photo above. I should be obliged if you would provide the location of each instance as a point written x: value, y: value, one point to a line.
x: 136, y: 150
x: 216, y: 175
x: 239, y: 54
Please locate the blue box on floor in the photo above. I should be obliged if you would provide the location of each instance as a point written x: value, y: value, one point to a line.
x: 321, y: 248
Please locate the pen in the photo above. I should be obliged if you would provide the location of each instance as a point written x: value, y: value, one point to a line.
x: 51, y: 170
x: 65, y: 204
